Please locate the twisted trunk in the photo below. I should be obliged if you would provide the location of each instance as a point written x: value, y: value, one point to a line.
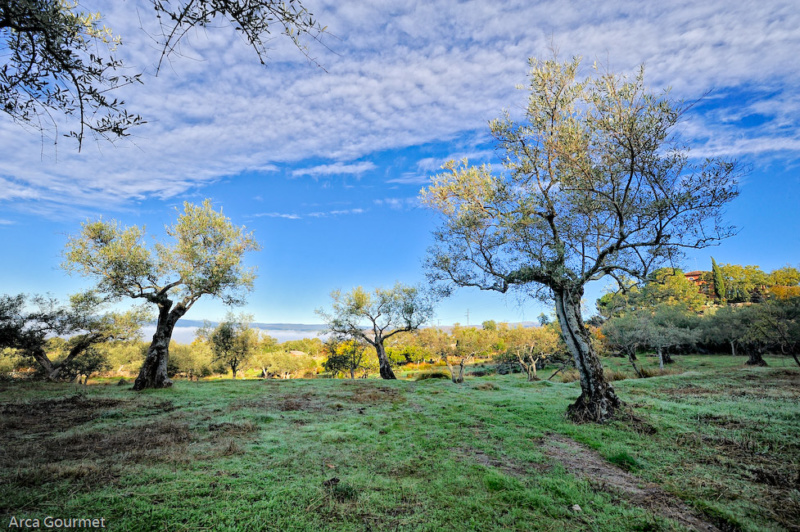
x: 755, y: 357
x: 385, y: 368
x: 154, y: 370
x: 597, y: 402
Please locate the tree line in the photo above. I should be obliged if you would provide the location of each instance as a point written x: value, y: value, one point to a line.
x: 756, y: 313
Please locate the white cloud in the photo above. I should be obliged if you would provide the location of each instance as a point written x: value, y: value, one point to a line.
x: 403, y: 73
x: 335, y: 169
x: 316, y: 214
x: 277, y: 215
x: 339, y: 212
x: 398, y: 203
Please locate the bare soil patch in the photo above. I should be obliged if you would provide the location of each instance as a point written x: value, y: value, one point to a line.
x: 52, y: 415
x: 471, y: 455
x: 366, y: 394
x: 586, y: 463
x: 131, y: 444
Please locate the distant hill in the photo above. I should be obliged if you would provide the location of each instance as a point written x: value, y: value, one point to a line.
x: 271, y: 326
x: 320, y: 326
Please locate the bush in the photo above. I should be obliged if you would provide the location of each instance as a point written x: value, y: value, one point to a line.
x: 432, y: 375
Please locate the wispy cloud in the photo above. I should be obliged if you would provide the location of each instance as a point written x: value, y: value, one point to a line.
x: 325, y: 214
x: 315, y: 214
x: 335, y: 169
x: 398, y: 203
x: 277, y: 215
x: 435, y: 71
x: 7, y: 222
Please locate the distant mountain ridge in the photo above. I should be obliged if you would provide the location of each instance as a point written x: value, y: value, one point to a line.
x: 271, y: 326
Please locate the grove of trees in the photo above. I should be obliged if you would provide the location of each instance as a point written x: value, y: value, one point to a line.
x: 669, y: 314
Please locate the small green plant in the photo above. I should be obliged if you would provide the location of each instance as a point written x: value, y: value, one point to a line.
x: 624, y: 460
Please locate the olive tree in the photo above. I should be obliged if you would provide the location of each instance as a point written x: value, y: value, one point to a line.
x: 531, y: 346
x: 348, y: 356
x: 79, y: 326
x: 376, y: 316
x: 203, y: 258
x: 60, y: 60
x: 232, y: 341
x: 594, y: 184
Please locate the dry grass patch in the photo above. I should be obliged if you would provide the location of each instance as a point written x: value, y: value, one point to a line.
x: 52, y: 415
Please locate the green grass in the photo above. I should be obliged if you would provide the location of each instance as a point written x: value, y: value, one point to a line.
x: 407, y: 455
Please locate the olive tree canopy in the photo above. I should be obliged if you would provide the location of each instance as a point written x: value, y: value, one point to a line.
x: 593, y: 184
x: 61, y: 61
x: 374, y: 317
x: 204, y: 257
x: 27, y: 328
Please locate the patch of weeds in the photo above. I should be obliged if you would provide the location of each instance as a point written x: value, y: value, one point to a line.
x: 614, y: 375
x: 369, y: 394
x: 340, y: 491
x: 571, y: 375
x: 231, y: 447
x: 497, y: 482
x: 658, y: 372
x: 720, y: 519
x: 487, y: 386
x: 624, y: 460
x: 53, y: 415
x: 245, y: 427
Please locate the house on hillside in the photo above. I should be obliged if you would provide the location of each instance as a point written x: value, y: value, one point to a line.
x: 702, y: 280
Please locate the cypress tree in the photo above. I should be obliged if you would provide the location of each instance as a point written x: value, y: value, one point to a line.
x: 719, y: 281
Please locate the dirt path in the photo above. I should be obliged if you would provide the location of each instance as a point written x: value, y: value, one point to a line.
x: 586, y: 463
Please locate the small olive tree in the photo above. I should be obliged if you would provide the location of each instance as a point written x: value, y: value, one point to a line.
x: 376, y: 316
x: 531, y: 346
x: 204, y: 258
x: 232, y: 342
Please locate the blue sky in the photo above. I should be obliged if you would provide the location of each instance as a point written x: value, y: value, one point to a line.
x: 325, y: 165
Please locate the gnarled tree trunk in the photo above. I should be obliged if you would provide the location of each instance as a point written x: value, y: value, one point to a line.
x: 154, y: 370
x: 755, y: 357
x: 597, y: 402
x: 383, y: 361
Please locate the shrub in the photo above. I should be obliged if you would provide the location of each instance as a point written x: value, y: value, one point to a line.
x: 432, y: 375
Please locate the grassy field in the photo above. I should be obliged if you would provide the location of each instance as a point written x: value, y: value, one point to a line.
x: 715, y: 445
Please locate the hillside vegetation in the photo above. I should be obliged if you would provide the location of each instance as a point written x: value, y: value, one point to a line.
x: 715, y: 445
